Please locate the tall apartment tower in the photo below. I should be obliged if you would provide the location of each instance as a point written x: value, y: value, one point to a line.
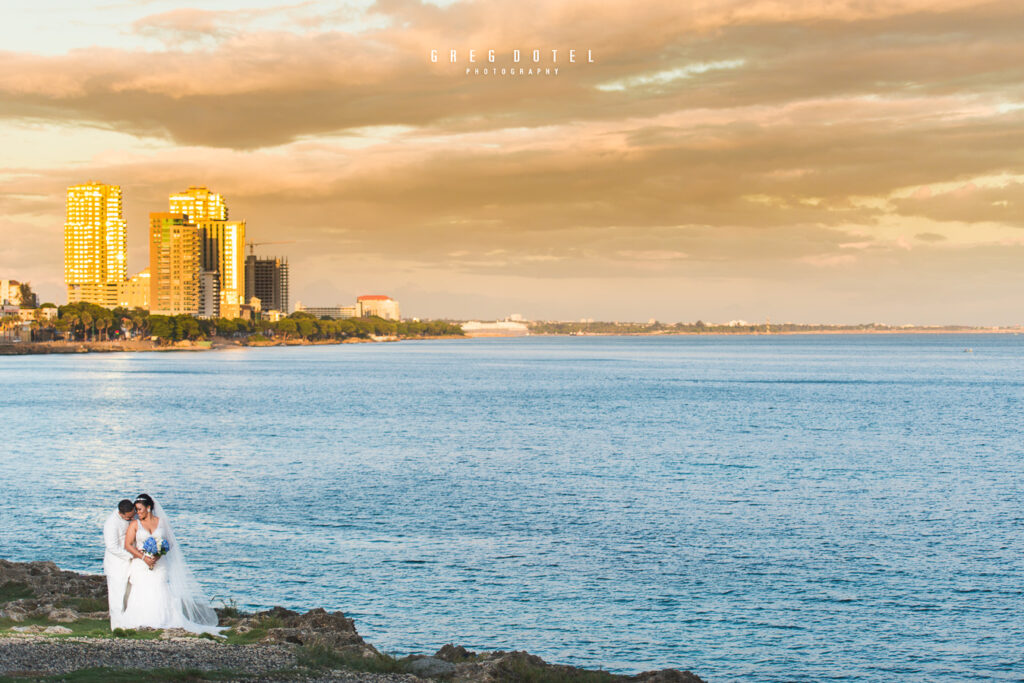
x: 267, y: 280
x: 174, y: 265
x: 95, y: 244
x: 198, y: 203
x: 222, y: 249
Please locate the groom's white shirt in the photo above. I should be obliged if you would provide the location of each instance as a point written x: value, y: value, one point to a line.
x: 115, y: 565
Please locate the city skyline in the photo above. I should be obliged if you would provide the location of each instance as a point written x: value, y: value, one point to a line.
x: 825, y: 162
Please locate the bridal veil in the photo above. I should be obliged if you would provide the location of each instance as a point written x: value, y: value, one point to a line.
x: 184, y: 587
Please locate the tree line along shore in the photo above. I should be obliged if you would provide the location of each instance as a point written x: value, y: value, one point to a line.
x: 54, y: 627
x: 87, y: 322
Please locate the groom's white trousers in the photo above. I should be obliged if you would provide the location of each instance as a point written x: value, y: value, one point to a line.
x: 116, y: 561
x: 117, y: 589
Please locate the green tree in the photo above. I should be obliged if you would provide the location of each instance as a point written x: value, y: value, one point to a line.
x: 186, y: 327
x: 161, y: 326
x: 28, y: 297
x: 287, y: 327
x: 306, y: 326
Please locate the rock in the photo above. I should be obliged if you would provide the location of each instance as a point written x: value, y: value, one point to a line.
x: 48, y: 583
x: 34, y: 628
x: 174, y: 633
x: 13, y: 613
x: 288, y: 635
x: 430, y: 667
x: 316, y: 627
x: 62, y: 615
x: 63, y: 630
x: 454, y: 653
x: 498, y: 667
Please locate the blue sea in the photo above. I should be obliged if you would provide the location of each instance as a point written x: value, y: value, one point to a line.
x: 767, y: 508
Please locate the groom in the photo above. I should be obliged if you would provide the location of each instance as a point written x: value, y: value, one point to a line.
x: 116, y: 559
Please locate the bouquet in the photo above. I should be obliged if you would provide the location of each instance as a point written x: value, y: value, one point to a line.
x: 153, y: 547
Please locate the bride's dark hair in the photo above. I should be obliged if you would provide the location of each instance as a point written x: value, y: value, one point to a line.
x: 145, y: 499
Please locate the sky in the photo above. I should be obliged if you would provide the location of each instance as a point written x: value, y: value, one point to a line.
x: 792, y: 160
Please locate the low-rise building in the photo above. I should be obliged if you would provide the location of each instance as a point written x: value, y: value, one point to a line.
x: 134, y: 292
x: 337, y: 312
x: 379, y: 305
x: 498, y: 328
x: 273, y: 315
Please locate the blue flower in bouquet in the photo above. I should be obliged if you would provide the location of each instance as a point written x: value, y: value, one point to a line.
x: 164, y: 547
x: 149, y: 546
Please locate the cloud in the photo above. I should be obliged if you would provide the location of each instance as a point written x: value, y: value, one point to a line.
x: 776, y: 139
x: 969, y: 203
x: 184, y: 25
x: 263, y: 87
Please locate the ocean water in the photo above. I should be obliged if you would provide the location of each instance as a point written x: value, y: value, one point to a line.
x: 751, y: 508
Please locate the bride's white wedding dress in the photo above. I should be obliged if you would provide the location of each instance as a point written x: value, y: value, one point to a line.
x: 150, y: 602
x: 165, y: 596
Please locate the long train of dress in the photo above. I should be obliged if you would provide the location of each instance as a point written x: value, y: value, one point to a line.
x: 150, y: 601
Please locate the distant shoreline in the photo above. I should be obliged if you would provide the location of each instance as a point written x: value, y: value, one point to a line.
x: 746, y: 333
x: 782, y: 333
x: 145, y: 346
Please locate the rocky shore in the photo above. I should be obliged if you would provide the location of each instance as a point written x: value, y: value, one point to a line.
x: 53, y: 627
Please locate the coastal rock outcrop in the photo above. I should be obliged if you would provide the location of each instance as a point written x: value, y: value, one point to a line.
x: 274, y: 640
x: 317, y: 627
x: 48, y: 582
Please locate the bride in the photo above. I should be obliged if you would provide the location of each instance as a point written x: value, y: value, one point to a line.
x: 162, y: 592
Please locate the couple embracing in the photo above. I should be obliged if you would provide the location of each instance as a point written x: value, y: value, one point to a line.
x: 149, y: 583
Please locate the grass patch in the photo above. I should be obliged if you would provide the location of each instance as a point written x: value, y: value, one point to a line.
x: 87, y: 628
x: 84, y: 604
x: 229, y: 608
x: 518, y: 671
x: 258, y: 632
x: 104, y: 674
x: 132, y: 634
x: 321, y: 657
x: 15, y: 590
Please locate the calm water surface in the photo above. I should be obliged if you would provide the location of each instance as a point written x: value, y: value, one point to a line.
x: 751, y: 508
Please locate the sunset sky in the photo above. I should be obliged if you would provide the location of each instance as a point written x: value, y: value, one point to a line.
x: 805, y: 161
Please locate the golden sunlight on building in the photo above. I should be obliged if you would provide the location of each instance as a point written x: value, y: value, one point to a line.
x: 95, y: 244
x: 135, y: 291
x: 379, y: 305
x: 174, y: 264
x: 199, y: 204
x: 222, y: 248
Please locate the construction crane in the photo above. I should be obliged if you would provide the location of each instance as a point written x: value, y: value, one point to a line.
x: 253, y: 245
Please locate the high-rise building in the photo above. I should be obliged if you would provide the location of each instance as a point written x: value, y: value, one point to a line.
x: 174, y: 264
x: 222, y: 249
x: 135, y: 291
x: 95, y: 244
x: 10, y: 292
x: 199, y: 204
x: 379, y: 305
x: 267, y: 280
x: 209, y: 294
